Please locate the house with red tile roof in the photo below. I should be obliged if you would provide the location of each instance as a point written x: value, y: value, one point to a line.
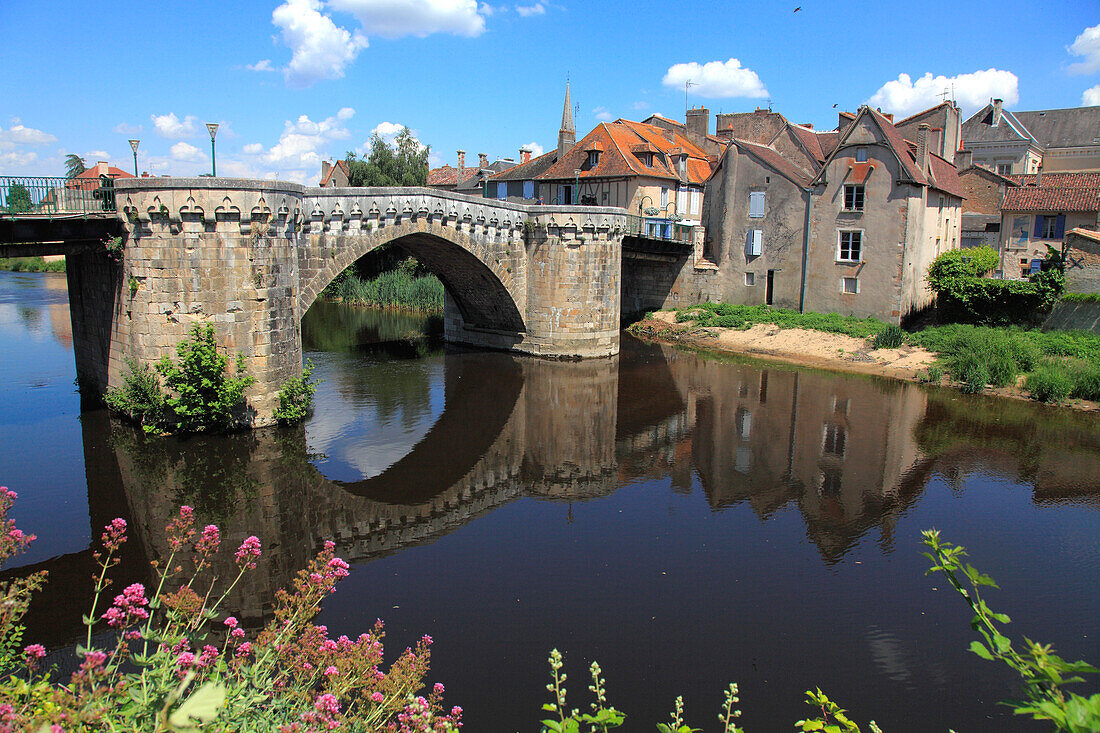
x: 1037, y: 213
x: 91, y: 178
x: 334, y: 175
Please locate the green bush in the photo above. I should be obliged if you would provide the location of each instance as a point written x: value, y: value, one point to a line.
x: 1081, y: 297
x: 1086, y: 383
x: 890, y: 337
x: 1050, y: 382
x: 398, y: 288
x: 296, y: 397
x: 140, y: 398
x: 202, y: 396
x: 964, y: 295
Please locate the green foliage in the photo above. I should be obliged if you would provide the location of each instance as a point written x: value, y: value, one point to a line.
x: 74, y: 165
x: 31, y: 264
x: 296, y: 397
x: 1050, y: 382
x: 405, y: 163
x: 1081, y: 297
x: 140, y: 398
x: 833, y: 718
x: 890, y: 337
x: 964, y: 295
x: 1086, y: 381
x: 201, y: 395
x: 113, y: 248
x: 602, y: 718
x: 728, y: 315
x: 18, y: 198
x: 1045, y: 674
x: 394, y: 289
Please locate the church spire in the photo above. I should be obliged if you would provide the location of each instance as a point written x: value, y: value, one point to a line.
x: 567, y: 135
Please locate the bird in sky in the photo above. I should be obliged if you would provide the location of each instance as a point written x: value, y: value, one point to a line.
x: 798, y: 8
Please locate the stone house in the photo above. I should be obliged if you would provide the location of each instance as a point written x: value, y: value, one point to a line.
x: 981, y: 212
x: 1020, y: 143
x: 334, y: 175
x: 1000, y: 141
x: 1038, y: 212
x: 843, y: 221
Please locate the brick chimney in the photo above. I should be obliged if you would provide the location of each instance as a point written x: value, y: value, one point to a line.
x: 698, y: 123
x: 101, y: 168
x: 923, y: 131
x: 482, y: 160
x: 325, y: 168
x: 964, y: 158
x: 1039, y: 175
x: 998, y: 109
x: 524, y: 156
x: 461, y: 164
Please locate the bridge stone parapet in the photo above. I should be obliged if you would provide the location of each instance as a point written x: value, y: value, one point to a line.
x: 250, y: 257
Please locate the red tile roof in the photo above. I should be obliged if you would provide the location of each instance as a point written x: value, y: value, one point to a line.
x: 945, y: 176
x: 810, y: 141
x: 1067, y: 180
x: 112, y: 172
x: 1051, y: 199
x: 342, y: 165
x: 447, y: 176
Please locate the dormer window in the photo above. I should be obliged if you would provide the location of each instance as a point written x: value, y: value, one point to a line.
x: 593, y: 159
x: 861, y: 155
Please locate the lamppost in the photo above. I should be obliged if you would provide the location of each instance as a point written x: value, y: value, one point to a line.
x: 134, y: 147
x: 576, y: 186
x: 212, y: 127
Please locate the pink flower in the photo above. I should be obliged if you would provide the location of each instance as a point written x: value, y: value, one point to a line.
x: 186, y: 659
x: 237, y: 633
x: 376, y: 696
x: 438, y: 688
x: 209, y: 540
x: 32, y: 653
x: 94, y: 660
x: 248, y: 552
x: 331, y: 670
x: 129, y: 607
x: 329, y: 545
x: 180, y: 530
x: 426, y: 639
x: 209, y: 654
x: 327, y: 703
x: 114, y: 534
x: 231, y: 622
x: 244, y: 649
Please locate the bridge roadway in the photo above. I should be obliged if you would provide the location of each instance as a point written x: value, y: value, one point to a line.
x: 250, y: 257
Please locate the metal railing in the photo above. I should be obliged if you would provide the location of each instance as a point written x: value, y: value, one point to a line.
x: 665, y: 230
x: 42, y: 196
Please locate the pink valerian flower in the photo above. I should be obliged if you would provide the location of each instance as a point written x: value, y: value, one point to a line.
x: 438, y: 688
x: 93, y: 660
x: 181, y: 529
x: 377, y: 696
x: 325, y: 710
x: 231, y: 622
x: 327, y: 703
x: 129, y: 607
x: 180, y: 646
x: 248, y: 552
x: 426, y: 639
x: 237, y: 633
x: 32, y: 653
x: 244, y: 649
x: 338, y: 567
x: 185, y: 660
x: 209, y: 655
x: 209, y: 540
x: 331, y: 670
x: 114, y: 534
x: 329, y: 545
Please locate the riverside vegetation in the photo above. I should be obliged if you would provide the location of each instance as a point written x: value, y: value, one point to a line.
x: 404, y: 286
x: 31, y: 264
x: 168, y: 664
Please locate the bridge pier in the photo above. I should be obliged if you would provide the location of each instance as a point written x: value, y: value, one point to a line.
x: 249, y: 257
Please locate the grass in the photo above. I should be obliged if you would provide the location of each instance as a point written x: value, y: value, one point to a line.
x: 396, y: 288
x: 31, y: 264
x: 1081, y: 297
x: 1057, y: 364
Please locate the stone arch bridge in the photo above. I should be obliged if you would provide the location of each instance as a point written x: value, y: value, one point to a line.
x: 250, y: 256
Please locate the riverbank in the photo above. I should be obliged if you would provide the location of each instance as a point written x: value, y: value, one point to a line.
x: 822, y: 350
x: 32, y: 264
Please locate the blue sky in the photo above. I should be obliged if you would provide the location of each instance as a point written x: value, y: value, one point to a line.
x: 295, y: 81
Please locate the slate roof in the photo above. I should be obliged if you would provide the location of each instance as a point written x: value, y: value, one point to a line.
x: 979, y: 128
x: 530, y: 170
x: 1063, y: 128
x: 1052, y: 199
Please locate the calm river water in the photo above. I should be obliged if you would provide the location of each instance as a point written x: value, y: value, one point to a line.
x: 685, y: 519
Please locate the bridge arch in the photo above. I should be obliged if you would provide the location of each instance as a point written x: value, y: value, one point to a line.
x: 486, y: 281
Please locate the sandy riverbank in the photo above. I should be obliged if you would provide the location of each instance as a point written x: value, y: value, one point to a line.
x: 811, y: 348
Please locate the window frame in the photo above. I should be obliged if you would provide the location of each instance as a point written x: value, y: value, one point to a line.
x: 861, y: 154
x: 840, y: 246
x: 844, y: 280
x: 855, y: 188
x: 750, y: 279
x: 763, y: 198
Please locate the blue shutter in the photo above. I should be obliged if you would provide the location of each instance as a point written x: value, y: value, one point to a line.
x: 1039, y: 220
x: 528, y: 189
x: 1060, y: 226
x: 756, y: 204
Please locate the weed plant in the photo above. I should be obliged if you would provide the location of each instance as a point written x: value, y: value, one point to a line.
x: 728, y: 315
x: 394, y: 289
x: 890, y: 337
x: 296, y: 397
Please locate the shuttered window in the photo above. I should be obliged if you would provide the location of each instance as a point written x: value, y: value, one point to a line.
x: 528, y: 189
x: 682, y: 201
x: 756, y: 205
x: 754, y: 242
x: 696, y: 199
x: 502, y: 190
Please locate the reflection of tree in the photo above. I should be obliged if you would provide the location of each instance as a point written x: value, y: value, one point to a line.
x: 335, y: 327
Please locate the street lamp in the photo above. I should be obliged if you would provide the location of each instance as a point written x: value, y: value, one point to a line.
x: 134, y: 147
x: 212, y: 127
x: 576, y: 186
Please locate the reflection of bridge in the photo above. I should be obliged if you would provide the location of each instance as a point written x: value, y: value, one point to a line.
x: 250, y: 257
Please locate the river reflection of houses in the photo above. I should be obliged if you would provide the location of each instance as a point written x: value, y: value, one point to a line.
x: 850, y: 453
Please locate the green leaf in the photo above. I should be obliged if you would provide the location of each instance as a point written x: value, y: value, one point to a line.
x: 552, y: 725
x: 197, y: 710
x: 979, y: 648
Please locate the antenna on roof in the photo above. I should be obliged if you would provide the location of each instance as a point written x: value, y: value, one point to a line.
x: 944, y: 94
x: 687, y: 85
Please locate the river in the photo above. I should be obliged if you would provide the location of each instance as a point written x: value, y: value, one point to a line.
x: 686, y: 519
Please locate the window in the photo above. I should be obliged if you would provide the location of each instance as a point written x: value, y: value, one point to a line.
x: 528, y: 189
x: 664, y: 197
x: 1050, y: 227
x: 1004, y: 168
x: 851, y: 246
x: 861, y: 155
x: 566, y: 195
x: 502, y: 190
x: 682, y: 166
x: 853, y: 197
x: 682, y: 201
x: 744, y: 423
x: 750, y: 278
x: 849, y: 285
x: 593, y: 159
x: 834, y: 439
x: 696, y: 201
x: 754, y: 242
x: 756, y: 205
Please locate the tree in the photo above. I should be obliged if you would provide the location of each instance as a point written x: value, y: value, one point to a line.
x: 19, y: 198
x: 74, y: 165
x: 404, y: 163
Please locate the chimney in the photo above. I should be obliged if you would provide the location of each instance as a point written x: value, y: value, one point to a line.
x: 998, y: 104
x: 482, y: 160
x: 461, y: 164
x: 524, y: 156
x: 101, y: 168
x: 964, y: 159
x: 325, y: 168
x: 922, y: 146
x: 698, y: 123
x: 1039, y: 175
x: 935, y: 144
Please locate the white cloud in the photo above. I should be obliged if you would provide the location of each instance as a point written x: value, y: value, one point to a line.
x: 396, y: 18
x: 640, y: 105
x: 97, y: 154
x: 261, y: 65
x: 488, y: 10
x: 904, y: 97
x: 1087, y: 45
x: 321, y: 49
x: 187, y: 153
x: 173, y: 127
x: 535, y: 148
x: 527, y: 11
x: 252, y: 149
x: 387, y: 130
x: 302, y: 142
x: 17, y: 134
x: 602, y: 114
x: 123, y: 129
x: 1091, y: 97
x: 17, y: 159
x: 716, y: 79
